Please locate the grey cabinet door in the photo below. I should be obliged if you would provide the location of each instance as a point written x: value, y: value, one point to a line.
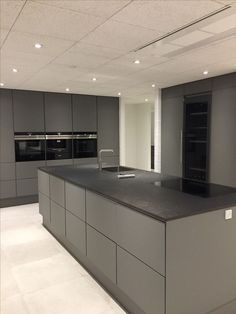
x: 108, y: 123
x: 58, y: 112
x: 58, y: 220
x: 43, y: 182
x: 75, y: 200
x: 101, y: 214
x: 44, y: 207
x: 57, y: 190
x: 7, y: 145
x: 27, y: 187
x: 142, y: 236
x: 7, y: 171
x: 7, y: 189
x: 171, y: 135
x: 75, y: 232
x: 142, y: 285
x: 28, y: 111
x: 28, y: 169
x: 102, y: 253
x: 84, y: 113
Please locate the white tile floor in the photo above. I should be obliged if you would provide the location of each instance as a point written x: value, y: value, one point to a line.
x: 38, y: 276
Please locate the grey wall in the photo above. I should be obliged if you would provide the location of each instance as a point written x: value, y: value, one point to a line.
x: 222, y: 131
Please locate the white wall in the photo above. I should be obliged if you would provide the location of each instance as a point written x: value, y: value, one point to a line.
x: 135, y: 135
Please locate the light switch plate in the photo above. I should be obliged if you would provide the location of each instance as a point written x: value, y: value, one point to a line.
x: 228, y: 214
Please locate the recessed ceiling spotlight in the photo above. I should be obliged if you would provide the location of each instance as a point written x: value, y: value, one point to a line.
x: 94, y: 79
x: 67, y: 89
x: 137, y: 61
x: 38, y: 45
x: 146, y: 99
x: 153, y: 85
x: 205, y: 72
x: 14, y: 70
x: 119, y: 94
x: 1, y: 84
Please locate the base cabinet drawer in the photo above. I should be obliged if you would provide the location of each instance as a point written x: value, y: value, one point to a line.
x: 75, y: 200
x: 57, y: 190
x: 7, y: 171
x: 75, y: 232
x: 28, y: 169
x: 58, y: 219
x: 102, y: 253
x: 7, y: 189
x: 43, y: 182
x: 44, y: 207
x: 27, y: 187
x: 142, y: 285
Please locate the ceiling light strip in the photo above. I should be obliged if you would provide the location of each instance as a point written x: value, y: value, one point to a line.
x: 184, y: 27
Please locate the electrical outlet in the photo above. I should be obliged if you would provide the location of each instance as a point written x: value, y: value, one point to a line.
x: 228, y: 214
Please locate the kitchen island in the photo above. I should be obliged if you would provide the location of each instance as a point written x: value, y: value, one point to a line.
x: 155, y: 249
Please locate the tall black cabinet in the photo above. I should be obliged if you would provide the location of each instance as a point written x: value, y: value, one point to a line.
x: 196, y: 137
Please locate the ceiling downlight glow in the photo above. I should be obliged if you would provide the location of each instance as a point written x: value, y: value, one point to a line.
x: 67, y: 89
x: 153, y: 85
x: 119, y: 94
x: 146, y: 100
x: 38, y: 45
x: 205, y: 72
x: 94, y: 79
x: 1, y: 84
x: 137, y: 61
x: 14, y: 70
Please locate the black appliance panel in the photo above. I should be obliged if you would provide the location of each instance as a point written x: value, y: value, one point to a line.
x: 85, y: 145
x: 58, y: 146
x: 29, y: 146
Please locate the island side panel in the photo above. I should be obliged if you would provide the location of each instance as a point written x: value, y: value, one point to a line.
x: 201, y: 263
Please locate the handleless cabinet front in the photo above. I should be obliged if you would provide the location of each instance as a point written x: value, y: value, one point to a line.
x: 28, y: 111
x: 140, y: 283
x: 58, y: 112
x: 84, y: 113
x: 57, y: 190
x: 102, y: 253
x: 75, y: 200
x: 43, y: 182
x: 58, y: 219
x: 75, y: 232
x: 44, y: 208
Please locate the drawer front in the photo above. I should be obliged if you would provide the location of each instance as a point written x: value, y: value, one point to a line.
x: 75, y: 200
x: 57, y: 219
x: 7, y: 171
x: 142, y: 236
x: 28, y: 169
x: 75, y: 232
x: 7, y: 189
x: 101, y: 214
x: 142, y: 285
x: 43, y: 182
x: 102, y: 253
x: 44, y: 207
x: 27, y: 187
x: 57, y: 190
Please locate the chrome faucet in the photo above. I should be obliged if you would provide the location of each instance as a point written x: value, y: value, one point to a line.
x: 100, y: 156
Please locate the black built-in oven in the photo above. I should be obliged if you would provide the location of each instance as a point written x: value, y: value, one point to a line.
x: 85, y: 144
x: 58, y: 146
x: 29, y: 146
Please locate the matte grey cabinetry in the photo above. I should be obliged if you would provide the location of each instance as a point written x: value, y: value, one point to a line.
x: 58, y: 112
x: 44, y: 207
x: 108, y: 123
x: 28, y: 169
x: 57, y: 190
x: 75, y: 200
x: 28, y: 111
x: 75, y: 231
x: 43, y: 182
x: 84, y: 113
x: 58, y: 219
x: 7, y: 189
x: 143, y: 285
x: 27, y: 186
x: 102, y: 252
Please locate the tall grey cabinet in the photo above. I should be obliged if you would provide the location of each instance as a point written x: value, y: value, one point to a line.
x: 58, y: 112
x: 7, y: 152
x: 108, y: 127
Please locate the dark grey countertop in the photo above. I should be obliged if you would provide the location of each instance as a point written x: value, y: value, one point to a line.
x: 140, y: 193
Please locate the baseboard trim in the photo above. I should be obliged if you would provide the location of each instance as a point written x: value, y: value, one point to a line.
x: 20, y: 200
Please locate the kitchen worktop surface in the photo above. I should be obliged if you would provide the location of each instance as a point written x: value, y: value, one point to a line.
x: 144, y: 193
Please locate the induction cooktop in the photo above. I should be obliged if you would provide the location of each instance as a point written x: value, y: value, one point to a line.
x: 197, y: 188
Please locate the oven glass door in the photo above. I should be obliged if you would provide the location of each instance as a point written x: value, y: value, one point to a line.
x: 29, y: 150
x: 59, y: 149
x: 85, y: 148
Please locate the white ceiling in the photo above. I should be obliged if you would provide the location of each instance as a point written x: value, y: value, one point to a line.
x: 83, y: 39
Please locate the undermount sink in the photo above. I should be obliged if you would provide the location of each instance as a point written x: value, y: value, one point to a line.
x: 115, y: 169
